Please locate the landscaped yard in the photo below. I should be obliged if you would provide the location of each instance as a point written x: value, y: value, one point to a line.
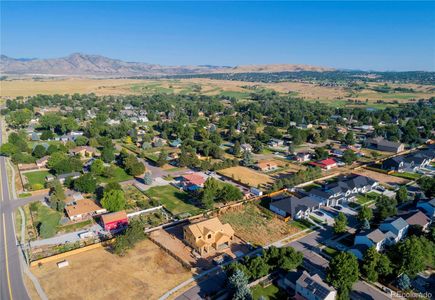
x: 367, y: 198
x: 270, y: 292
x: 119, y: 175
x: 257, y: 226
x: 36, y: 179
x: 407, y: 175
x: 174, y: 200
x: 45, y: 219
x: 136, y: 199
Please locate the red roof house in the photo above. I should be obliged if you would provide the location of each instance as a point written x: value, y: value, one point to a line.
x: 193, y: 181
x: 114, y: 220
x: 326, y: 164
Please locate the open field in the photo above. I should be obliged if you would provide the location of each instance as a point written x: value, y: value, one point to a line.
x: 336, y: 96
x: 382, y: 178
x: 174, y: 200
x: 258, y: 227
x: 146, y: 272
x: 246, y: 176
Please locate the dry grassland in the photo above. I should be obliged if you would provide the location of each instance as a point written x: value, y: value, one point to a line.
x: 146, y: 272
x: 382, y: 178
x: 246, y: 176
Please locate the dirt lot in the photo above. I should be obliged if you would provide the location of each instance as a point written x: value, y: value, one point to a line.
x: 146, y: 272
x: 256, y: 226
x: 382, y: 178
x: 247, y: 176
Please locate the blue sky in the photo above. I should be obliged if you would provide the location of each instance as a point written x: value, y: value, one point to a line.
x: 359, y: 35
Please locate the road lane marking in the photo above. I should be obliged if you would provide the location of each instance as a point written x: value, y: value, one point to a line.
x: 6, y: 258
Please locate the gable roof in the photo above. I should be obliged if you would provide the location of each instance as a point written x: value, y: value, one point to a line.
x: 80, y: 207
x: 376, y: 236
x: 418, y: 218
x: 398, y: 223
x: 194, y: 178
x: 315, y: 285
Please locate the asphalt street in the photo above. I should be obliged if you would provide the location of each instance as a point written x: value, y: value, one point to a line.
x: 11, y: 276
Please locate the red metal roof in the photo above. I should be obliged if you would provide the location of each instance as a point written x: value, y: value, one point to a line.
x: 195, y: 179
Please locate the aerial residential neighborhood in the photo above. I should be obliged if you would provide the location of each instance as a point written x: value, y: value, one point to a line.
x: 217, y: 170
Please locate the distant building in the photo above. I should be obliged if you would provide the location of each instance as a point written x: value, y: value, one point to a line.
x: 325, y: 164
x: 409, y: 163
x: 291, y: 206
x: 246, y: 147
x: 114, y: 220
x: 266, y: 166
x: 303, y: 156
x: 84, y: 151
x: 381, y: 144
x: 428, y: 207
x: 192, y: 182
x: 314, y: 288
x: 207, y: 236
x: 42, y: 162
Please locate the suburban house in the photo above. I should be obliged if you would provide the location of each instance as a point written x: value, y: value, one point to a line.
x: 42, y: 162
x: 418, y: 218
x: 246, y: 148
x: 114, y: 220
x: 314, y: 288
x: 291, y: 206
x: 374, y: 238
x: 266, y: 166
x: 303, y: 156
x: 276, y: 143
x: 192, y: 182
x: 343, y: 190
x: 83, y: 209
x: 398, y: 227
x: 381, y: 144
x: 326, y: 164
x: 208, y: 235
x: 428, y: 207
x: 409, y: 163
x: 63, y: 177
x: 84, y: 151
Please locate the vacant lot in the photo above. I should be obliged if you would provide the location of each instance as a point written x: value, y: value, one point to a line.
x: 146, y: 272
x: 36, y: 179
x: 258, y: 227
x: 247, y: 176
x: 174, y: 200
x: 382, y: 178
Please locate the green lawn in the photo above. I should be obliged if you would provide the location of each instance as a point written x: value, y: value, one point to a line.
x: 330, y: 251
x: 367, y: 198
x: 302, y: 224
x: 118, y: 176
x: 174, y: 200
x: 269, y: 292
x: 407, y: 175
x: 75, y: 226
x: 46, y: 220
x: 36, y: 179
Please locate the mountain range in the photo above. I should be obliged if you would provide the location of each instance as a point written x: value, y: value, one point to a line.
x: 79, y: 64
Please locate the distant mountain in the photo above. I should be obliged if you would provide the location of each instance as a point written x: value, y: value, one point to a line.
x: 78, y: 64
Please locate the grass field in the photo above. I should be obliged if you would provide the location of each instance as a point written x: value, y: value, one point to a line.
x: 247, y: 176
x: 407, y: 175
x: 36, y: 178
x: 145, y: 272
x: 270, y: 292
x: 118, y: 176
x: 257, y: 226
x: 367, y: 198
x: 174, y: 200
x: 381, y: 177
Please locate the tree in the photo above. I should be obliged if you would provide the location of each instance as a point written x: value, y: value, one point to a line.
x: 19, y: 118
x: 402, y: 195
x: 290, y: 259
x: 320, y: 153
x: 404, y: 282
x: 386, y: 207
x: 427, y: 184
x: 349, y: 138
x: 364, y: 216
x: 148, y: 179
x: 133, y: 234
x: 161, y: 160
x: 258, y: 267
x: 85, y: 183
x: 39, y: 151
x: 236, y: 148
x: 108, y: 154
x: 340, y: 224
x: 113, y: 200
x: 238, y: 283
x: 410, y: 256
x: 133, y: 166
x: 342, y: 273
x: 375, y: 264
x: 97, y: 167
x: 349, y: 156
x: 57, y: 196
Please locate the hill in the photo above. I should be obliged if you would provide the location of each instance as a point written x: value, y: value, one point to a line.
x: 78, y: 64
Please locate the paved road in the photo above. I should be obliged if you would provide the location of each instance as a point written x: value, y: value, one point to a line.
x: 11, y: 277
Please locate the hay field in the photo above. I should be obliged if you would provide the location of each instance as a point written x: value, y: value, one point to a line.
x: 247, y: 176
x: 146, y: 272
